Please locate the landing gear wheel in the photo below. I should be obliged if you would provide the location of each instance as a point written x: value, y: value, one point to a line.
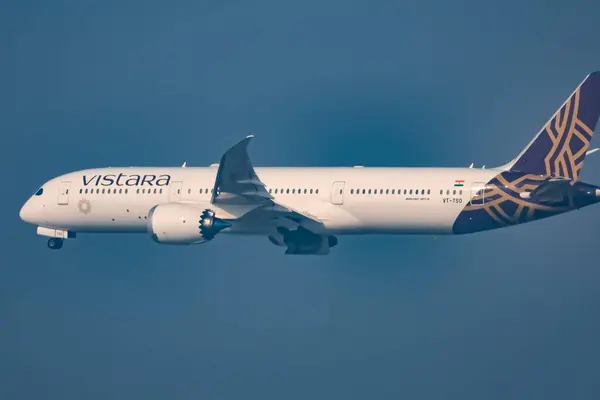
x: 55, y: 243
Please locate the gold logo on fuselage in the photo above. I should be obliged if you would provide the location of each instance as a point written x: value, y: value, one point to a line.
x: 84, y: 206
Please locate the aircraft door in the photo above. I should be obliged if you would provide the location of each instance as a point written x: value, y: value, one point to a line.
x: 63, y: 193
x: 478, y: 190
x: 337, y: 193
x: 175, y: 191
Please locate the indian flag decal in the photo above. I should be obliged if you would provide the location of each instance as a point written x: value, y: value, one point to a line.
x: 459, y: 183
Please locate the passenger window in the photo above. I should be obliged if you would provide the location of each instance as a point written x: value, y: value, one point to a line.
x: 305, y: 191
x: 410, y: 191
x: 317, y: 191
x: 364, y: 191
x: 127, y: 190
x: 86, y: 191
x: 394, y: 191
x: 102, y: 191
x: 454, y: 191
x: 404, y: 191
x: 351, y: 191
x: 447, y: 192
x: 422, y: 191
x: 460, y: 192
x: 287, y: 191
x: 311, y: 191
x: 369, y: 191
x: 189, y: 191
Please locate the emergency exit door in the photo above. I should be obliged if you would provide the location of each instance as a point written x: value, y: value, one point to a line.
x: 175, y: 191
x: 337, y: 192
x: 63, y: 193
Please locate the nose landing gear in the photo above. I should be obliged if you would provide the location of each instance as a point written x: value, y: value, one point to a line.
x: 55, y: 243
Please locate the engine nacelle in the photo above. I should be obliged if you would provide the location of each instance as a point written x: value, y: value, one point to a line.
x: 179, y: 223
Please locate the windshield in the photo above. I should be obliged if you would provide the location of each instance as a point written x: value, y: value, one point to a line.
x: 39, y: 192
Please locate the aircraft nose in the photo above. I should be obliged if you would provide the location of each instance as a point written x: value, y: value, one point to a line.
x: 25, y: 213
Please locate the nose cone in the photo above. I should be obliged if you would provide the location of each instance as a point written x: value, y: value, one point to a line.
x: 26, y: 212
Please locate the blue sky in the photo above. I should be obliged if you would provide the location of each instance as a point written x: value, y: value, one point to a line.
x: 504, y: 314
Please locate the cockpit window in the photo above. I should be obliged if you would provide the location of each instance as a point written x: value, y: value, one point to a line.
x: 39, y: 192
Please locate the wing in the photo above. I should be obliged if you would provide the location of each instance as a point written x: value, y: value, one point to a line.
x: 238, y: 184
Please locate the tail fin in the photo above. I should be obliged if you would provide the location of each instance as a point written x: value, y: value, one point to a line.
x: 560, y: 147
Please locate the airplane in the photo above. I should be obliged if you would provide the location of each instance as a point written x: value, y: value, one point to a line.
x: 305, y: 210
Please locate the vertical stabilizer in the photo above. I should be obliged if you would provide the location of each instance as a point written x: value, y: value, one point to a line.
x: 560, y: 147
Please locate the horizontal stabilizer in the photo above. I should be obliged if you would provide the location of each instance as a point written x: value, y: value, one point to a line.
x: 553, y: 191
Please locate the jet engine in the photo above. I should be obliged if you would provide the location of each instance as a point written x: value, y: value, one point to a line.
x: 178, y: 223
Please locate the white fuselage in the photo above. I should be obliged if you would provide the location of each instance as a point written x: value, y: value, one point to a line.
x: 353, y: 200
